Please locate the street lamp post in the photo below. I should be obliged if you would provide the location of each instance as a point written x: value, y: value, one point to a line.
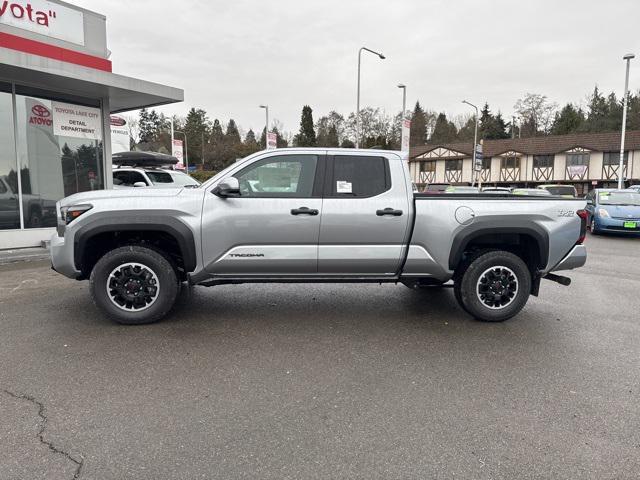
x: 628, y: 58
x: 186, y: 154
x: 266, y: 124
x: 404, y: 99
x: 358, y: 94
x: 475, y: 142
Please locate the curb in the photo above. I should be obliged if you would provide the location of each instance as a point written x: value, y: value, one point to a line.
x: 23, y: 255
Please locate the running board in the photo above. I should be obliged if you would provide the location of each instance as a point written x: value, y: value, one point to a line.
x: 566, y: 281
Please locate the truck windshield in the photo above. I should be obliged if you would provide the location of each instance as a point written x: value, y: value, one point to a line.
x: 619, y: 198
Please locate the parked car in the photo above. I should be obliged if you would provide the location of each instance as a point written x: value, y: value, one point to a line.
x: 635, y: 188
x: 436, y: 187
x: 461, y: 189
x: 38, y: 212
x: 148, y: 169
x: 531, y: 191
x: 496, y: 190
x: 314, y: 215
x: 127, y: 177
x: 612, y: 210
x: 568, y: 191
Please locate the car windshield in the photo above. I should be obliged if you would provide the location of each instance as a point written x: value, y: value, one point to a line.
x: 531, y: 191
x: 561, y: 190
x: 619, y: 198
x: 461, y: 190
x: 157, y: 177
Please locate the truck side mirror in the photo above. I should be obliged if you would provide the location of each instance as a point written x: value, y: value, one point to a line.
x: 139, y: 184
x: 228, y: 187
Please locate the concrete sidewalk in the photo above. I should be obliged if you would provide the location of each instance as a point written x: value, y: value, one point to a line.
x: 23, y: 255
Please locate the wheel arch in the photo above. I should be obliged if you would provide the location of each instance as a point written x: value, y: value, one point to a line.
x: 161, y: 232
x: 529, y: 241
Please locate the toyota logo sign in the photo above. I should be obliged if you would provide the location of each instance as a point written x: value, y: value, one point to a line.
x: 40, y: 111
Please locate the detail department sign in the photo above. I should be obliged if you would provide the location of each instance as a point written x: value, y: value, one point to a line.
x: 76, y: 121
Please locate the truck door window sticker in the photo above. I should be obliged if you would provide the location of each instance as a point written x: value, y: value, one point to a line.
x: 343, y: 187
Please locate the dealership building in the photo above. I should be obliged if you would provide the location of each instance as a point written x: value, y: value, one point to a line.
x: 57, y: 92
x: 586, y: 161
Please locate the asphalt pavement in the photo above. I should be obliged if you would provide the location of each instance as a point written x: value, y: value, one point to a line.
x: 324, y: 381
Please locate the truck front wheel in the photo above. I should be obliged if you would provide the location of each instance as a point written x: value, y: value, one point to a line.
x: 134, y: 285
x: 494, y: 287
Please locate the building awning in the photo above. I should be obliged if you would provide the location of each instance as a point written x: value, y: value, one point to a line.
x: 124, y: 93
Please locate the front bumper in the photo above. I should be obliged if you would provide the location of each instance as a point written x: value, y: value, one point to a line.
x: 62, y: 257
x: 576, y: 258
x: 607, y: 224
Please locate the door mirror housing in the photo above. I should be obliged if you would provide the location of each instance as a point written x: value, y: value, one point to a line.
x: 139, y: 184
x: 228, y: 187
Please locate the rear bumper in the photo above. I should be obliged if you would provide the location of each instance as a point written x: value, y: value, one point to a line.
x: 576, y: 258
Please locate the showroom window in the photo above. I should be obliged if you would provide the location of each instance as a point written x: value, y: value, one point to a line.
x: 59, y: 151
x: 9, y: 204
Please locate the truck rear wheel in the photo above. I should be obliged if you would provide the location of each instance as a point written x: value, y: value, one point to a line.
x: 494, y: 287
x: 134, y: 285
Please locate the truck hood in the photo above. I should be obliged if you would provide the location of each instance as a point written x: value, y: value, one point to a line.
x: 88, y: 197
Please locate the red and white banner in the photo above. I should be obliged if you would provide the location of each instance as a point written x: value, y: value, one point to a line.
x: 272, y: 140
x: 176, y: 151
x: 406, y: 135
x: 120, y: 141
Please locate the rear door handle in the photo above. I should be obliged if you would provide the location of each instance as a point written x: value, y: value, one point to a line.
x: 389, y: 211
x: 304, y: 211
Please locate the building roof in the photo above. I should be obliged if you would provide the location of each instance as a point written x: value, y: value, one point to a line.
x: 547, y: 145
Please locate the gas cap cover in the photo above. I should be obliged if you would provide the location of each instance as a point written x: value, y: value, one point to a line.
x: 465, y: 216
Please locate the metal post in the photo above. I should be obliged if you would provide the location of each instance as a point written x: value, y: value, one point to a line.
x: 202, y: 148
x: 628, y: 58
x: 404, y: 99
x: 266, y: 124
x: 475, y: 142
x: 382, y: 57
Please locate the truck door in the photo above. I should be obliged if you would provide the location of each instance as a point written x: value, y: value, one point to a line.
x: 272, y: 228
x: 365, y: 215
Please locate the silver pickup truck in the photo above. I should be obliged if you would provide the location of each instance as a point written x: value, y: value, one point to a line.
x: 314, y: 215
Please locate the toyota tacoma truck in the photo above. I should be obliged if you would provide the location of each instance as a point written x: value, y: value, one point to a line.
x: 314, y: 215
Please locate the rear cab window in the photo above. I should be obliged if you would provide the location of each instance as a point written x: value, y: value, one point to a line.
x: 358, y: 176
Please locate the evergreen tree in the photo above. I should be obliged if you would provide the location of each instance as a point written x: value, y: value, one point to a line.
x: 232, y: 135
x: 332, y: 137
x: 444, y: 130
x: 569, y: 120
x: 197, y: 130
x: 418, y: 135
x: 307, y: 135
x: 216, y: 136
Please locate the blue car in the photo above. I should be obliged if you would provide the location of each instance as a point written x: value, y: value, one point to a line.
x: 613, y: 210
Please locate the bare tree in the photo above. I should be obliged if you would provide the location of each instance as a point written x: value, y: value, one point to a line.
x: 537, y: 113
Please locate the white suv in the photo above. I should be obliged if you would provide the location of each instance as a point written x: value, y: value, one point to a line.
x: 127, y: 177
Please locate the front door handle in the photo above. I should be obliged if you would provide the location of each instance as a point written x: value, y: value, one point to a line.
x: 304, y: 211
x: 389, y: 211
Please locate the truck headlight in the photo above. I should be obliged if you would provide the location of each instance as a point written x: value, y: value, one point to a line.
x: 603, y: 213
x: 70, y: 213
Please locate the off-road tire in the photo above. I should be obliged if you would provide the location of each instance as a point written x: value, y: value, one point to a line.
x: 153, y: 260
x: 466, y: 290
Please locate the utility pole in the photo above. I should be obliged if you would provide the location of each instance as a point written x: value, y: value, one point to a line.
x: 475, y: 143
x: 382, y: 57
x: 628, y: 58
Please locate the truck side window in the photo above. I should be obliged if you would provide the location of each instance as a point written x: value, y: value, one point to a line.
x: 359, y: 176
x: 279, y: 176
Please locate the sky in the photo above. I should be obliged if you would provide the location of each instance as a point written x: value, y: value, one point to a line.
x: 231, y: 56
